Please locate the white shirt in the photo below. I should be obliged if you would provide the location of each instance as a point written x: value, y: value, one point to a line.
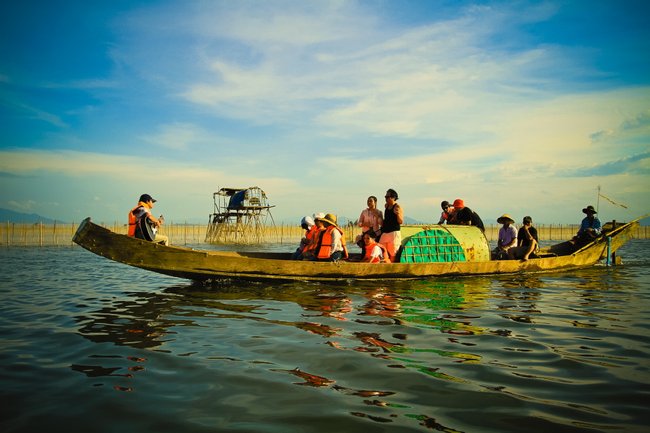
x: 376, y: 252
x: 336, y: 241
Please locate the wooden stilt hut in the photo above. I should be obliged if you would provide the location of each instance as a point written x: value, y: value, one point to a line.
x: 239, y: 216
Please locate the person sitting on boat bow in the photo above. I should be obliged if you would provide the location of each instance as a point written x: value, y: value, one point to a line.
x: 307, y: 223
x: 143, y: 211
x: 331, y: 246
x: 309, y: 251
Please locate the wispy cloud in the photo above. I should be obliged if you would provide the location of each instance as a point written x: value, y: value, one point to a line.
x: 35, y: 113
x: 22, y: 206
x: 347, y: 72
x: 178, y: 136
x: 632, y: 165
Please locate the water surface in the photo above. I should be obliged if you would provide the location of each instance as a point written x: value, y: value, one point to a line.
x: 88, y: 344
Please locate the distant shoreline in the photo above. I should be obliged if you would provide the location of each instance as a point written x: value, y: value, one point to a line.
x: 60, y: 234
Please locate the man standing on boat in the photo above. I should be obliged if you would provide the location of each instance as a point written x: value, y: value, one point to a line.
x: 141, y: 219
x: 391, y: 237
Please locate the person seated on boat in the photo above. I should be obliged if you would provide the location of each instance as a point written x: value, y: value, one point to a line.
x: 309, y: 251
x: 507, y: 237
x: 372, y: 251
x: 590, y: 227
x: 465, y: 216
x: 331, y: 245
x: 391, y: 237
x: 143, y: 210
x: 527, y: 241
x: 447, y: 211
x: 369, y: 220
x: 307, y: 224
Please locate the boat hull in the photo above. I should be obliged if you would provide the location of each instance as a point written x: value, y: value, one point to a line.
x: 213, y: 265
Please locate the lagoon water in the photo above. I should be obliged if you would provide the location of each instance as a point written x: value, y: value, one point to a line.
x: 92, y: 345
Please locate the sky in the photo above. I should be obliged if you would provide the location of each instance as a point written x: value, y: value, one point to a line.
x: 518, y: 107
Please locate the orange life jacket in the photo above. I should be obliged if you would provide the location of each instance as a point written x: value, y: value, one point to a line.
x: 326, y: 241
x: 312, y: 238
x: 133, y: 220
x: 368, y: 250
x: 314, y: 241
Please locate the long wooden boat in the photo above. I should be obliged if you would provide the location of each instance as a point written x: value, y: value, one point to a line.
x: 196, y: 264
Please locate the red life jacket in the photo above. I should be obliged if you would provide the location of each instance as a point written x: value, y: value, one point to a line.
x: 326, y: 241
x: 133, y: 220
x: 312, y: 238
x: 368, y: 251
x: 315, y: 240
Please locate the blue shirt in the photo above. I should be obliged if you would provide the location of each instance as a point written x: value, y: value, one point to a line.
x: 590, y: 224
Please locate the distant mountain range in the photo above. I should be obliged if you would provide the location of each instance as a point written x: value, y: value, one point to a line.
x: 11, y: 216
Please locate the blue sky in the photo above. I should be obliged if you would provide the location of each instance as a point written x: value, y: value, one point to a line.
x: 517, y: 107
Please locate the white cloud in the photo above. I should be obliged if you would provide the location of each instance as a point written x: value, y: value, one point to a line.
x: 347, y: 73
x: 178, y: 136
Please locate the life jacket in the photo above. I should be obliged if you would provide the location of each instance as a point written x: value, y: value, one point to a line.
x: 133, y: 220
x: 326, y: 243
x: 312, y: 238
x: 368, y: 250
x: 314, y: 241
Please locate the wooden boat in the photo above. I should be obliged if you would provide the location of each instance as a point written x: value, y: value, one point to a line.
x: 214, y: 265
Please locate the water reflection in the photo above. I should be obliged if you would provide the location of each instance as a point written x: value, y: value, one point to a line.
x: 377, y: 321
x: 138, y: 321
x: 151, y: 320
x: 519, y: 338
x: 439, y: 305
x: 517, y: 298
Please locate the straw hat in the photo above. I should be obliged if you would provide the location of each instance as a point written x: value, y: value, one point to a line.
x: 505, y: 217
x: 329, y: 218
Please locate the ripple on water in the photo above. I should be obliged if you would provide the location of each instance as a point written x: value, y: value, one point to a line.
x: 84, y: 338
